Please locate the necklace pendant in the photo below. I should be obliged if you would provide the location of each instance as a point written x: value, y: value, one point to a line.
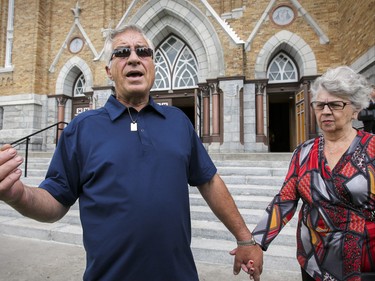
x: 133, y: 127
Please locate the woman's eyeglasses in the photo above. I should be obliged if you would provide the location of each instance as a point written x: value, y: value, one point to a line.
x: 125, y: 52
x: 332, y: 105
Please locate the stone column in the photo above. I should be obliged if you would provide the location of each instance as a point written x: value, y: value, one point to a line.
x: 101, y: 95
x: 215, y: 112
x: 61, y: 101
x: 89, y: 96
x: 259, y: 88
x: 206, y: 113
x: 309, y: 114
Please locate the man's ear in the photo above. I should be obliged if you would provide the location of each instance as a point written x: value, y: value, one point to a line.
x: 109, y: 73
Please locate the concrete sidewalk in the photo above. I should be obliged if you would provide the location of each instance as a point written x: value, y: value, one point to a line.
x: 24, y: 259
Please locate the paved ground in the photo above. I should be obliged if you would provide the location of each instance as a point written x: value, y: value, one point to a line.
x: 23, y: 259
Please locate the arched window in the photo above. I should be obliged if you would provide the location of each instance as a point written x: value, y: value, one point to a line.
x: 79, y: 86
x: 282, y: 70
x: 1, y: 117
x: 7, y: 25
x: 176, y: 66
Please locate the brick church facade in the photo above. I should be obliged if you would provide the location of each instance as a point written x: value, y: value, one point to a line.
x: 241, y: 70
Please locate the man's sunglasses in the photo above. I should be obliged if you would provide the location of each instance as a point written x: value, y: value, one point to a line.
x: 125, y: 52
x: 332, y: 105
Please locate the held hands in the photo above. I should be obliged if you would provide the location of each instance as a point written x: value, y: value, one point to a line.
x: 11, y: 188
x: 250, y: 259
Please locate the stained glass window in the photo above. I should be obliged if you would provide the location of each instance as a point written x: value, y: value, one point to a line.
x: 282, y: 69
x: 79, y: 86
x: 176, y: 66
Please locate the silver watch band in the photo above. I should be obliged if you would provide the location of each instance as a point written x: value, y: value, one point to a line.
x: 250, y: 242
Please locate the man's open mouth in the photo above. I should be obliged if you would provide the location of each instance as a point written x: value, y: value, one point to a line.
x: 134, y: 74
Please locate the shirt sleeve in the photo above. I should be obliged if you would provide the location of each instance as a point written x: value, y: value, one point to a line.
x: 201, y: 167
x: 281, y: 209
x: 62, y: 178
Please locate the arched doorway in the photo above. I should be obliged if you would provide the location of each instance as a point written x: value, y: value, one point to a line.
x: 283, y: 76
x: 184, y: 100
x: 73, y: 82
x: 80, y: 102
x: 176, y: 76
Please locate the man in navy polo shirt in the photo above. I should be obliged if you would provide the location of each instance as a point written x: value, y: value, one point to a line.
x: 129, y: 164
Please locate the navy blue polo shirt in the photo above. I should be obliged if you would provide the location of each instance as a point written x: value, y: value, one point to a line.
x: 132, y: 189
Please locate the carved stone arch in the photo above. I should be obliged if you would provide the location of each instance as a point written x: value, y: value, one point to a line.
x: 294, y: 46
x: 159, y: 20
x: 68, y: 74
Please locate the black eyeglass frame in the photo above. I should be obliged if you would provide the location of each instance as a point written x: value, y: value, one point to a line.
x: 125, y: 52
x: 329, y: 104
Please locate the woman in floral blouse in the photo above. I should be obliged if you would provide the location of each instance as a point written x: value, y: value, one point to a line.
x: 334, y: 175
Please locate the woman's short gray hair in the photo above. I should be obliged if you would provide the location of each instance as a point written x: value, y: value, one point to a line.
x: 108, y: 44
x: 344, y: 82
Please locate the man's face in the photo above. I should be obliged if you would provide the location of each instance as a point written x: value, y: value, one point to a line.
x: 133, y: 75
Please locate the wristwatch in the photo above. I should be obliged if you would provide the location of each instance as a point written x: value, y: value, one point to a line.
x: 250, y: 242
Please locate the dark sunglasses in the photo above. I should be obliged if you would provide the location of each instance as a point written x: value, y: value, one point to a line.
x: 332, y: 105
x: 125, y: 52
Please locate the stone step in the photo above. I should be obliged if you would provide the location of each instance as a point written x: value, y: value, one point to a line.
x: 35, y: 170
x: 257, y: 156
x: 205, y: 229
x: 251, y: 171
x: 235, y: 181
x: 252, y: 163
x: 227, y: 157
x: 242, y: 201
x: 248, y: 189
x: 201, y: 214
x: 236, y: 184
x: 253, y: 180
x: 31, y: 180
x: 251, y: 216
x: 216, y: 230
x: 35, y: 155
x: 211, y: 250
x: 25, y: 227
x: 36, y: 174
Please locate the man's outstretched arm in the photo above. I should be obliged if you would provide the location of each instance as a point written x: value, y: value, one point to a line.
x: 32, y: 202
x: 222, y: 204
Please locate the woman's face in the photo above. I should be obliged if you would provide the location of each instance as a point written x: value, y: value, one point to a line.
x: 332, y: 118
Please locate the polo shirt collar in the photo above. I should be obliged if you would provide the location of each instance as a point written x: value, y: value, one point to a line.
x: 115, y: 108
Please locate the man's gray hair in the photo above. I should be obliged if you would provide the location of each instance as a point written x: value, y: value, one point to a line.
x: 108, y: 44
x: 344, y: 82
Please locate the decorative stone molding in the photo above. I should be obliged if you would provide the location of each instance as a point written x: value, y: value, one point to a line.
x: 303, y: 54
x: 204, y: 90
x: 61, y: 99
x: 62, y: 80
x: 76, y: 13
x: 6, y: 81
x: 260, y: 87
x: 308, y: 18
x: 204, y: 39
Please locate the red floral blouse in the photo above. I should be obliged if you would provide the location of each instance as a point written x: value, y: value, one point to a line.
x: 336, y: 223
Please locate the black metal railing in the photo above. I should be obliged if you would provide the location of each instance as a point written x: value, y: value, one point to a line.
x: 26, y: 140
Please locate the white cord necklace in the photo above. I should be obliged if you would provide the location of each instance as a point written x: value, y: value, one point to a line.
x: 133, y: 124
